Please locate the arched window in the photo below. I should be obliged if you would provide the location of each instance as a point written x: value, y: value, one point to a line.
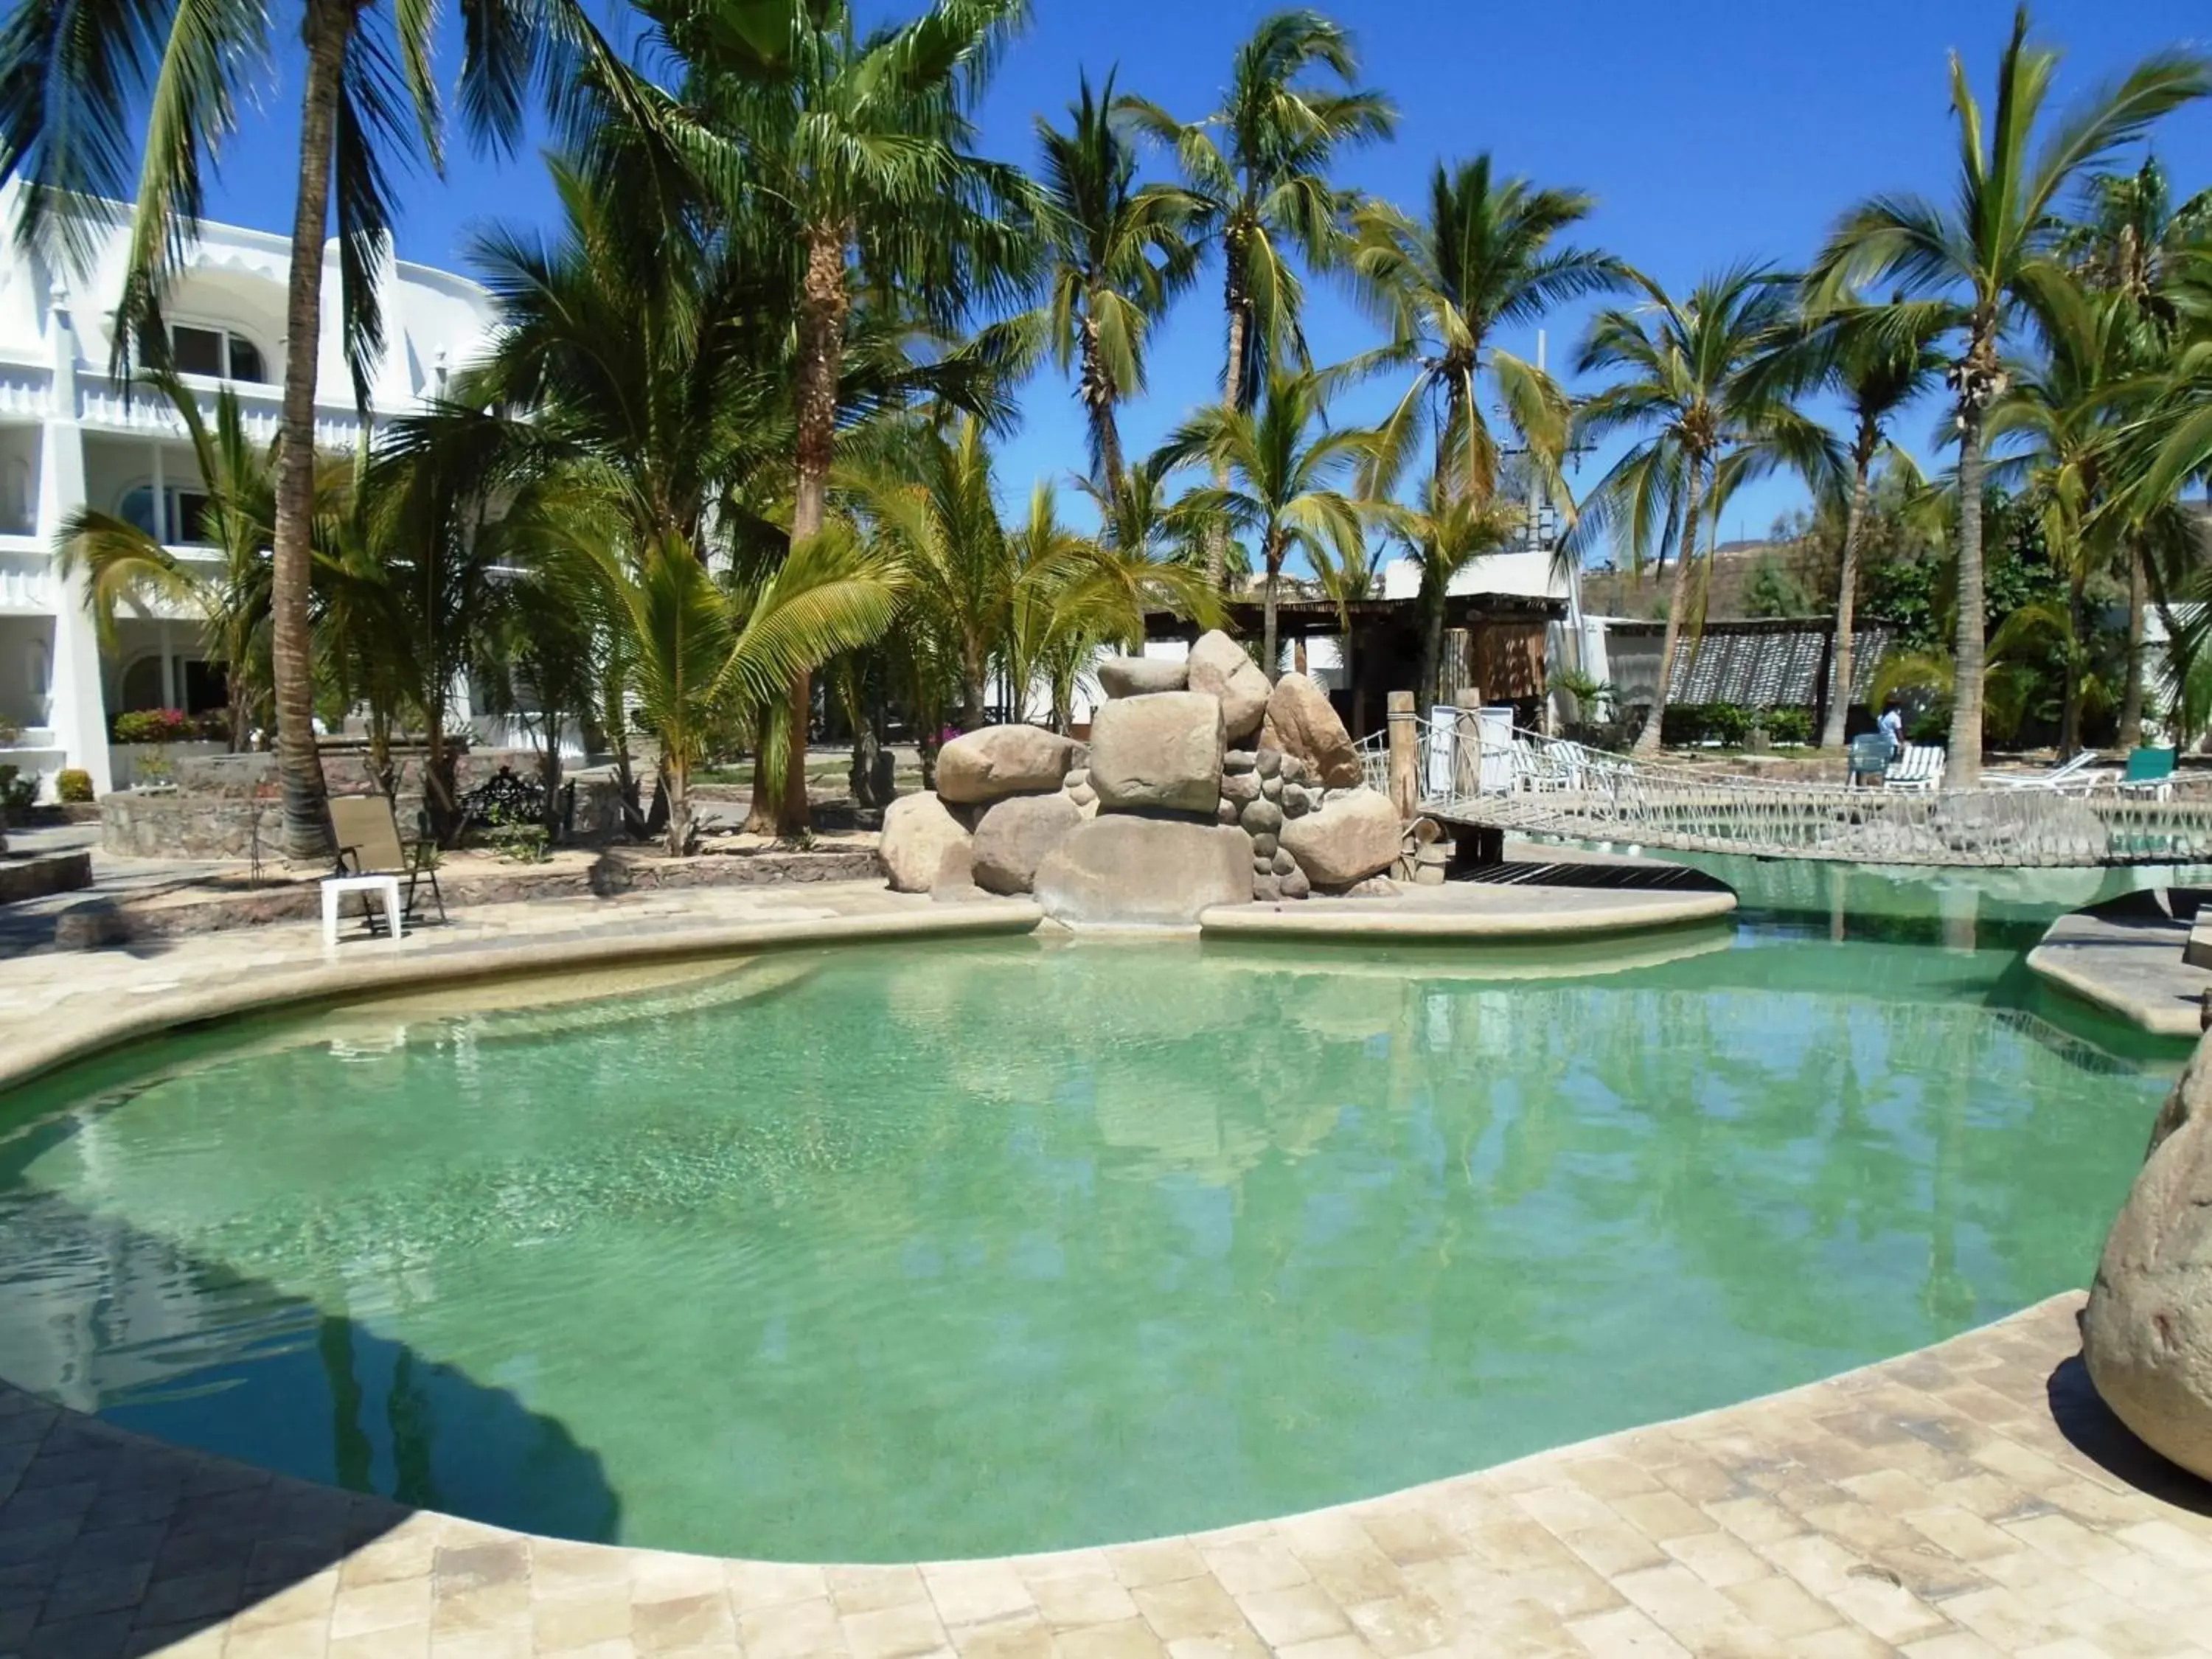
x: 218, y: 353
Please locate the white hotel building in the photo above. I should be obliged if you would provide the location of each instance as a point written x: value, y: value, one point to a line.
x: 69, y: 436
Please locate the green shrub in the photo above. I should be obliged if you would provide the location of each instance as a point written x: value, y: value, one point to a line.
x: 1729, y: 722
x: 1788, y: 724
x: 18, y: 794
x: 169, y: 726
x: 525, y: 843
x: 11, y: 732
x: 1931, y: 724
x: 74, y: 785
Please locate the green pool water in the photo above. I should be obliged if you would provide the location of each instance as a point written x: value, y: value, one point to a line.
x: 899, y: 1252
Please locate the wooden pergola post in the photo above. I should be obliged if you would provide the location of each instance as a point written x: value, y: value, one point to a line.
x: 1405, y: 754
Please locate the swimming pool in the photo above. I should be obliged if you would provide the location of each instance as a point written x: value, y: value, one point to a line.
x: 896, y: 1251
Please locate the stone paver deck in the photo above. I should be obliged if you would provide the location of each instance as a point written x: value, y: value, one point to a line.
x: 2125, y: 956
x: 1970, y: 1500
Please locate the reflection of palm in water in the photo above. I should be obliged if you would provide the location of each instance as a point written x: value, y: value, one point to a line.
x: 1276, y: 1233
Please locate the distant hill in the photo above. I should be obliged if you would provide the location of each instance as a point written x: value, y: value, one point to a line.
x: 1743, y: 579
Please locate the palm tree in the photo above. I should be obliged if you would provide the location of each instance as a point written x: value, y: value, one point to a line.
x: 705, y: 654
x: 2066, y: 406
x: 1876, y: 359
x: 2133, y: 241
x: 933, y: 509
x: 1119, y: 253
x: 1990, y: 254
x: 126, y: 562
x: 1483, y: 261
x: 856, y: 148
x: 2129, y: 233
x: 76, y: 81
x: 1448, y: 532
x: 1030, y: 602
x: 1257, y: 168
x: 1710, y: 424
x: 1282, y: 475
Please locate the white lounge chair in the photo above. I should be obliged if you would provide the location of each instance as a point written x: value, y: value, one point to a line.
x: 2076, y: 773
x: 1918, y: 768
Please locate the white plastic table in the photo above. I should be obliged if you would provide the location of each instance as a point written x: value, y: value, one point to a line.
x: 336, y: 887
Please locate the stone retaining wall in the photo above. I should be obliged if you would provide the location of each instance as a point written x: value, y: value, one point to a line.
x: 100, y: 922
x: 225, y: 806
x: 36, y: 875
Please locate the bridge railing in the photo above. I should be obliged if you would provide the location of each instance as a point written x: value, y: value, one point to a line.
x: 1543, y: 785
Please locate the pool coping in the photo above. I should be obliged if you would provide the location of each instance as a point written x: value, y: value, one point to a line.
x: 361, y: 967
x: 1382, y: 920
x: 2131, y: 967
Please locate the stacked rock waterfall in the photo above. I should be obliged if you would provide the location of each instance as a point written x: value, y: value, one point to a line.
x: 1202, y: 786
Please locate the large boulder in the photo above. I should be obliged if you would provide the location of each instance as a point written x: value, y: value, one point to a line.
x: 1161, y: 752
x: 999, y: 761
x: 922, y: 842
x: 1219, y: 665
x: 1013, y: 836
x: 1302, y: 722
x: 2147, y: 1332
x: 1355, y: 836
x: 1133, y: 872
x: 1139, y: 677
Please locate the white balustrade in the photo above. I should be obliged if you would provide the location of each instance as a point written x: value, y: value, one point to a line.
x: 27, y: 581
x: 108, y: 404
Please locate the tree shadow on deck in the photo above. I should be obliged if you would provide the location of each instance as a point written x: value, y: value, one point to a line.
x: 115, y: 1543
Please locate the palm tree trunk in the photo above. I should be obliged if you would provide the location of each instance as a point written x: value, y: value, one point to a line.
x: 1232, y: 396
x: 821, y: 347
x: 2070, y: 716
x: 676, y: 790
x: 1099, y: 400
x: 1678, y: 596
x: 1964, y: 763
x: 1432, y: 643
x: 972, y: 686
x: 306, y: 818
x: 1270, y: 652
x: 2132, y: 702
x: 1847, y: 580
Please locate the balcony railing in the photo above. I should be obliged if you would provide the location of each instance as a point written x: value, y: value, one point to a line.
x: 25, y: 392
x: 27, y: 580
x: 102, y: 402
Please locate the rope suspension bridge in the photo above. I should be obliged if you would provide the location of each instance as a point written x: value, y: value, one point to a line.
x: 1467, y: 773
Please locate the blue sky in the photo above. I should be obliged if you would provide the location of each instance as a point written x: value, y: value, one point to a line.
x: 1709, y: 130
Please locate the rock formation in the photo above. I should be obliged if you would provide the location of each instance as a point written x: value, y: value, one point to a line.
x: 2147, y: 1332
x: 1158, y: 752
x: 1220, y: 666
x: 998, y: 760
x: 1301, y: 721
x: 1137, y: 676
x: 1121, y: 869
x: 1161, y: 818
x: 919, y: 836
x: 1354, y: 836
x: 1015, y: 835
